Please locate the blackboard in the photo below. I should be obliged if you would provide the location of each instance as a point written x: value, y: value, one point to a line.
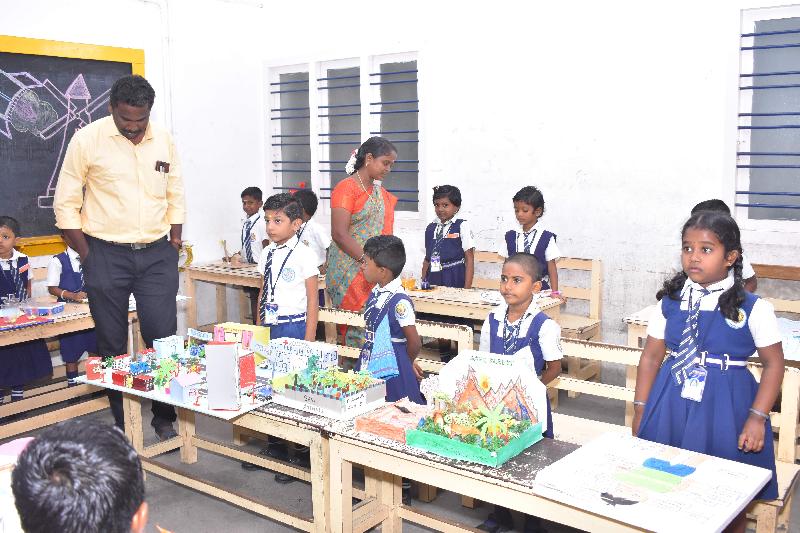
x: 43, y: 100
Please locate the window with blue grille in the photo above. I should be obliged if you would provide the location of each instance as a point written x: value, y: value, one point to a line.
x: 768, y: 154
x: 397, y: 111
x: 290, y: 131
x: 323, y: 111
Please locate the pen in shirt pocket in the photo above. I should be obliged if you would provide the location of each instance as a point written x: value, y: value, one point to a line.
x: 163, y: 167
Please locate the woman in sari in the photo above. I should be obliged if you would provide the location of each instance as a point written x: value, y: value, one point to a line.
x: 360, y: 208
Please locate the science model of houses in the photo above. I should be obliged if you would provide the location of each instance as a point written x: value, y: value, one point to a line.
x: 481, y: 407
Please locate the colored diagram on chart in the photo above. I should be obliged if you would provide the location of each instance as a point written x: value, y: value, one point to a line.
x: 36, y: 107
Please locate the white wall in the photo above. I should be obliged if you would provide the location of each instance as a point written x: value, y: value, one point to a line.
x: 623, y: 115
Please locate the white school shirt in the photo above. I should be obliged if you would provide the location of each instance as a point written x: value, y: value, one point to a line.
x: 762, y: 322
x: 257, y: 236
x: 54, y: 267
x: 317, y: 238
x: 15, y: 255
x: 467, y: 237
x: 290, y: 287
x: 550, y: 253
x: 549, y: 334
x: 403, y: 312
x: 8, y: 264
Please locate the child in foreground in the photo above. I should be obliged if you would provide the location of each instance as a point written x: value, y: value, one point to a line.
x: 288, y: 301
x: 391, y: 340
x: 80, y: 476
x: 516, y: 325
x: 703, y: 398
x: 23, y: 362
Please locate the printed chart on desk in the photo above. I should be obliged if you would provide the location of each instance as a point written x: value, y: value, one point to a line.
x: 650, y: 485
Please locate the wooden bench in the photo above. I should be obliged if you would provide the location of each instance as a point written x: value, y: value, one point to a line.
x: 769, y: 515
x: 784, y: 273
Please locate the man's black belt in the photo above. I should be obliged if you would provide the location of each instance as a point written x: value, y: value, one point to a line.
x: 135, y: 245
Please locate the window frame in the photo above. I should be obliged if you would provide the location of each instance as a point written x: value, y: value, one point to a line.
x: 742, y: 138
x: 318, y: 125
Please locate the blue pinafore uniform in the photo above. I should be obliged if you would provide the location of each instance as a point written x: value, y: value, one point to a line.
x: 27, y: 361
x: 538, y: 251
x: 531, y: 338
x: 451, y: 252
x: 711, y: 426
x: 72, y: 345
x: 405, y: 384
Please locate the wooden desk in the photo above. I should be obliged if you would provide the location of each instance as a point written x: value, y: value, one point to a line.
x: 445, y: 301
x: 221, y: 274
x: 510, y: 486
x: 468, y: 303
x: 75, y: 317
x: 283, y: 422
x: 637, y: 326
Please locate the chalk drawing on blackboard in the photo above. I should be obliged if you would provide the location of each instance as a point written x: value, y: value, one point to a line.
x: 26, y: 111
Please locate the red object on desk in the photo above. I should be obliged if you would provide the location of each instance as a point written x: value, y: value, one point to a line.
x: 23, y: 322
x: 94, y: 368
x: 247, y: 371
x: 118, y: 377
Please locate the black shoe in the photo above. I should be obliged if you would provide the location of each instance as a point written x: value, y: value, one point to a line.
x: 302, y: 459
x: 166, y: 432
x: 497, y: 523
x: 273, y: 451
x: 533, y: 524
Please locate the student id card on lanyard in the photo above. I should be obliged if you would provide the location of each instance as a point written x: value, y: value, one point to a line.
x: 436, y: 258
x: 270, y: 307
x: 695, y: 383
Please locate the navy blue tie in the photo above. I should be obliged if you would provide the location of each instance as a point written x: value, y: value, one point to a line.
x: 267, y: 287
x: 688, y: 349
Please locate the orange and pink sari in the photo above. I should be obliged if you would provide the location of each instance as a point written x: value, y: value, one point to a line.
x: 372, y: 213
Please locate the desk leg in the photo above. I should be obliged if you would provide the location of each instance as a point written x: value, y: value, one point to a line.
x: 320, y: 467
x: 186, y: 433
x: 244, y: 307
x: 630, y: 382
x: 132, y: 407
x: 191, y: 303
x: 340, y: 488
x: 222, y: 303
x: 391, y: 495
x: 635, y: 332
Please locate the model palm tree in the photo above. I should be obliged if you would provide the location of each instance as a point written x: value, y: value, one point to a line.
x: 493, y: 421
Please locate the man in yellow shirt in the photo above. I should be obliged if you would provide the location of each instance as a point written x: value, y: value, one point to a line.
x: 119, y: 201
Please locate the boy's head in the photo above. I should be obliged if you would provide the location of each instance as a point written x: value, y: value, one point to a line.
x: 384, y: 259
x: 251, y: 200
x: 80, y: 475
x: 520, y: 279
x: 446, y: 201
x: 308, y: 201
x: 528, y: 206
x: 712, y: 205
x: 9, y: 232
x: 284, y: 216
